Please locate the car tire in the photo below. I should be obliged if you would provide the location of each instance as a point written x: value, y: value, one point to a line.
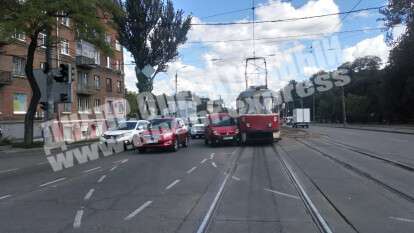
x: 206, y: 141
x: 175, y: 146
x: 186, y: 142
x: 142, y: 150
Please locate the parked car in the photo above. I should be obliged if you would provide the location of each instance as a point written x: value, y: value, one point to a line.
x: 124, y: 133
x: 165, y: 133
x: 221, y: 128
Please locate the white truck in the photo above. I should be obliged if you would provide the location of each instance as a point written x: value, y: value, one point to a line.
x: 301, y: 117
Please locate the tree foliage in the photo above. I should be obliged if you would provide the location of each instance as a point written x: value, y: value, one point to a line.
x: 32, y: 17
x: 152, y: 31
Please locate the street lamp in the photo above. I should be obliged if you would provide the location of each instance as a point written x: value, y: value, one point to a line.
x: 176, y: 78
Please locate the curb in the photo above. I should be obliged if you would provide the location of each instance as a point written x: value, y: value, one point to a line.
x: 365, y: 129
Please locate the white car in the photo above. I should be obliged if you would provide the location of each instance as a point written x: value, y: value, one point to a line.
x: 124, y: 133
x: 197, y: 131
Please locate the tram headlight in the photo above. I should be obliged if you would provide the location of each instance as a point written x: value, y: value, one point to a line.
x: 248, y: 125
x: 270, y: 125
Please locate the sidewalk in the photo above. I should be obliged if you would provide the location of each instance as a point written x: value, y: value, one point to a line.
x: 401, y: 129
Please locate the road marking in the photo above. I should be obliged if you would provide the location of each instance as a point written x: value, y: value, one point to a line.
x: 52, y: 182
x: 102, y: 178
x: 212, y: 155
x: 113, y: 169
x: 93, y: 169
x: 235, y: 178
x: 9, y: 170
x: 397, y: 140
x: 213, y: 205
x: 191, y: 170
x: 42, y: 163
x: 78, y: 219
x: 118, y: 161
x: 124, y: 161
x: 89, y: 194
x: 172, y: 184
x: 214, y: 164
x: 402, y: 219
x: 203, y: 161
x: 137, y: 211
x: 282, y: 194
x: 5, y: 196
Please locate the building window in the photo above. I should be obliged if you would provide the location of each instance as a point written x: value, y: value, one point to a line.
x: 97, y: 81
x: 19, y: 103
x: 64, y: 47
x: 65, y: 21
x: 97, y: 58
x: 19, y: 36
x: 108, y: 62
x: 121, y: 108
x: 19, y: 66
x: 110, y: 107
x: 82, y: 79
x: 83, y: 104
x: 108, y: 39
x: 119, y: 86
x: 109, y: 84
x: 118, y: 46
x: 117, y: 65
x: 41, y: 40
x: 67, y: 107
x: 97, y: 108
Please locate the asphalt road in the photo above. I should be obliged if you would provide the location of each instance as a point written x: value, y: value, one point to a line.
x: 314, y: 180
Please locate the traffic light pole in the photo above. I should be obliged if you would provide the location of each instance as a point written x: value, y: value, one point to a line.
x: 49, y: 85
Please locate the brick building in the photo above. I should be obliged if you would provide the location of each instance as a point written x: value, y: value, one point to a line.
x: 98, y: 85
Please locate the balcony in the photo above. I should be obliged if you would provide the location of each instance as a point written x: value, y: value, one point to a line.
x: 86, y: 89
x: 5, y: 78
x: 85, y: 62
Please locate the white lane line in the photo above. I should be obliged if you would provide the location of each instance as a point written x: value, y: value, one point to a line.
x: 235, y: 178
x: 42, y: 163
x: 102, y: 178
x: 212, y: 155
x: 52, y: 182
x: 214, y: 164
x: 191, y: 170
x: 89, y: 194
x: 9, y: 170
x: 172, y: 184
x: 113, y: 169
x: 282, y: 194
x: 91, y: 170
x: 213, y: 205
x: 124, y: 161
x: 203, y: 161
x: 78, y: 219
x: 137, y: 211
x: 118, y: 161
x: 5, y: 196
x: 402, y: 219
x: 397, y: 140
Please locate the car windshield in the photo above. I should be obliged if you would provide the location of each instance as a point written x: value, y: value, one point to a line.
x: 223, y: 120
x: 127, y: 126
x: 161, y: 124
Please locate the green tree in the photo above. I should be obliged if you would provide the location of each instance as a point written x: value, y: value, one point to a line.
x: 33, y: 17
x: 152, y: 31
x: 132, y: 97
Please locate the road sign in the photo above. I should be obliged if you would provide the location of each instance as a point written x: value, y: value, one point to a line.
x: 148, y: 71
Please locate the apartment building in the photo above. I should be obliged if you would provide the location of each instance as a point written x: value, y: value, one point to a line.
x: 98, y: 85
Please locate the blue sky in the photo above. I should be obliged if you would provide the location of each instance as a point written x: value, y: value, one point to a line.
x: 206, y: 77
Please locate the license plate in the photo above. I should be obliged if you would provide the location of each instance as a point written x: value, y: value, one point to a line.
x: 111, y: 141
x: 227, y: 138
x: 151, y: 140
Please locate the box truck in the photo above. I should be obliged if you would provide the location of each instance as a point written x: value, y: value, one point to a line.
x: 301, y: 117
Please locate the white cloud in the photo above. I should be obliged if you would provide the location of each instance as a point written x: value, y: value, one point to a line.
x: 374, y: 46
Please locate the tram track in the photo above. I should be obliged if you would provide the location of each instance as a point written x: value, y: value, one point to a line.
x: 376, y: 156
x: 359, y: 171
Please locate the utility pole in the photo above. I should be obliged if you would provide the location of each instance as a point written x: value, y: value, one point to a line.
x: 47, y: 137
x: 343, y: 108
x: 313, y: 107
x: 176, y: 82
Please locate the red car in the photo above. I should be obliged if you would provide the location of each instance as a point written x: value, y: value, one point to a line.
x: 221, y: 128
x: 165, y: 133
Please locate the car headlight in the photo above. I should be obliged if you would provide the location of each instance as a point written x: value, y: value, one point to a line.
x: 167, y: 136
x: 216, y: 133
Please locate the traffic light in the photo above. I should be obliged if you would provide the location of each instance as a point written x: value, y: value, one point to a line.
x: 65, y: 74
x: 64, y: 98
x: 43, y: 106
